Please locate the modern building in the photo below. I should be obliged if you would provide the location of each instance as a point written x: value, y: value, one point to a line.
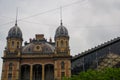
x: 100, y: 57
x: 38, y: 59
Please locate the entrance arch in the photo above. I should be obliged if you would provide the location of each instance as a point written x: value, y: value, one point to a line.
x: 37, y: 72
x: 25, y: 72
x: 49, y: 72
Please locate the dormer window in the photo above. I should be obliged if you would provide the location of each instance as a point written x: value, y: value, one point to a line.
x: 29, y: 49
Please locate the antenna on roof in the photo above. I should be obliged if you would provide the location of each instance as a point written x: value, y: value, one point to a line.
x: 61, y: 15
x: 16, y: 16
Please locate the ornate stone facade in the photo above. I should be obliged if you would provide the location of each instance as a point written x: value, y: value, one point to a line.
x: 38, y: 59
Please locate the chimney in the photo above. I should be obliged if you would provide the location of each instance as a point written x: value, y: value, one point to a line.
x: 25, y: 43
x: 50, y: 40
x: 39, y: 36
x: 30, y: 40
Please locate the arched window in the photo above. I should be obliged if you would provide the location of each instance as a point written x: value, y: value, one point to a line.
x: 62, y: 65
x: 29, y: 49
x: 66, y: 43
x: 57, y: 43
x: 62, y: 43
x: 10, y: 67
x: 12, y: 43
x: 17, y: 44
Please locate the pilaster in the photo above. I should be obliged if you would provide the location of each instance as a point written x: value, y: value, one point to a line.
x: 31, y: 72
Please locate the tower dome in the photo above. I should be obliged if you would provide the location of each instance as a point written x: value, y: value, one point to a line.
x: 15, y: 32
x: 61, y: 31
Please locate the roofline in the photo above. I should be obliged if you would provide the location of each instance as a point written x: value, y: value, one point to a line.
x: 115, y: 40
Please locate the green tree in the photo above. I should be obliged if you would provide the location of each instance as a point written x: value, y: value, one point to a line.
x: 106, y: 74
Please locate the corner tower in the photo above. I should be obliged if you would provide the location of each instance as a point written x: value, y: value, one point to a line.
x: 14, y: 39
x: 62, y: 52
x: 12, y: 53
x: 62, y: 40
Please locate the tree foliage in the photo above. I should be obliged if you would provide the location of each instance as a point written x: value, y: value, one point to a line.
x: 106, y: 74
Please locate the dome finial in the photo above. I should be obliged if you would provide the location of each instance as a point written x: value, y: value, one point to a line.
x: 61, y: 23
x: 16, y: 16
x: 61, y: 16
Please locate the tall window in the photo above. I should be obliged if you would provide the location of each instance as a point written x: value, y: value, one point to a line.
x: 12, y: 43
x: 8, y: 44
x: 10, y: 76
x: 17, y: 44
x: 62, y: 74
x: 57, y: 43
x: 62, y: 65
x: 10, y: 67
x: 62, y: 43
x: 66, y: 43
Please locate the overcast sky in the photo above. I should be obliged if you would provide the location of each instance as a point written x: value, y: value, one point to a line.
x: 89, y: 22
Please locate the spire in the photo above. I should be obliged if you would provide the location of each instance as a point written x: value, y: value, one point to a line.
x: 16, y: 16
x: 61, y: 16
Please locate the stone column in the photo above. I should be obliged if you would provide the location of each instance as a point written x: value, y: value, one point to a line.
x: 18, y: 71
x: 43, y: 72
x: 31, y: 72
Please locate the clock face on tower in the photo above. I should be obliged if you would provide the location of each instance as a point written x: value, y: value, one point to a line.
x: 38, y: 48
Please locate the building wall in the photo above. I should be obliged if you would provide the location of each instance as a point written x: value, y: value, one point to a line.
x: 59, y: 70
x: 28, y: 60
x: 6, y: 69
